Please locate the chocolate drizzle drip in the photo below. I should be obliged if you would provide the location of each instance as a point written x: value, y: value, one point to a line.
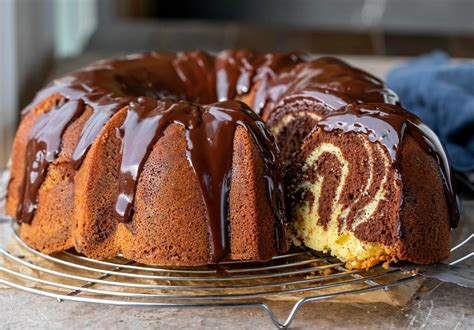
x: 103, y: 109
x: 209, y: 146
x: 44, y: 145
x: 388, y: 124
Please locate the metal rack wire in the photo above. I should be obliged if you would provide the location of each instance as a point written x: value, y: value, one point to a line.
x: 71, y: 277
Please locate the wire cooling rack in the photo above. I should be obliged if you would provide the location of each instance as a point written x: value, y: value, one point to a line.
x: 71, y: 277
x: 306, y: 275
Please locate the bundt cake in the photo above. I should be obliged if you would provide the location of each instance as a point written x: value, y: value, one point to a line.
x: 121, y: 158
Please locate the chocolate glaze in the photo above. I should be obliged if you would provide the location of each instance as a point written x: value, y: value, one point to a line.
x: 388, y: 124
x: 328, y: 81
x: 139, y: 81
x: 44, y: 145
x: 209, y: 146
x: 237, y: 71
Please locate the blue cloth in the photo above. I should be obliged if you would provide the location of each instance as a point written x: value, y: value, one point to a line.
x: 441, y: 93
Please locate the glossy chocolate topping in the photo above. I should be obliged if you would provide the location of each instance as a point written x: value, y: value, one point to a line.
x: 44, y: 144
x: 387, y: 124
x: 237, y: 71
x: 209, y: 146
x: 139, y: 82
x: 327, y: 81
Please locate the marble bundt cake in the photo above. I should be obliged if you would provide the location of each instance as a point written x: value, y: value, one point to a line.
x: 121, y: 158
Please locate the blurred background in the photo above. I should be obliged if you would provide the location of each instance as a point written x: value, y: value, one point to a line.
x: 43, y: 38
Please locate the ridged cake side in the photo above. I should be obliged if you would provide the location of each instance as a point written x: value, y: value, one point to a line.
x: 168, y: 225
x: 66, y: 156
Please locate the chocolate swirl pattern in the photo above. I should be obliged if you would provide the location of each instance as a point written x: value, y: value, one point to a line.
x: 354, y: 194
x: 347, y: 187
x: 351, y: 196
